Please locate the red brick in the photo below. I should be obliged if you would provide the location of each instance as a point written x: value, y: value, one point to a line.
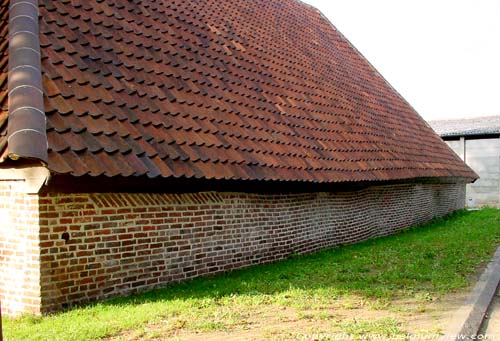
x: 122, y: 252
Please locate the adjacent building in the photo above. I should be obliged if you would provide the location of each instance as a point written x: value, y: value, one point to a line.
x: 477, y: 142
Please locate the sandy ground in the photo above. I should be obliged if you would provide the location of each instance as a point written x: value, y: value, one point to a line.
x: 280, y: 323
x: 416, y: 318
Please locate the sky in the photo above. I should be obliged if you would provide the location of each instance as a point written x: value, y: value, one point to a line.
x: 442, y: 56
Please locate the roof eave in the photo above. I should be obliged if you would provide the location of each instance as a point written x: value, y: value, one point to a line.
x: 67, y: 183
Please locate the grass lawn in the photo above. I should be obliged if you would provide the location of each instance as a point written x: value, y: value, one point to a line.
x: 389, y: 286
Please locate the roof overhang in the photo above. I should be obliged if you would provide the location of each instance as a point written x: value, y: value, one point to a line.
x: 63, y: 183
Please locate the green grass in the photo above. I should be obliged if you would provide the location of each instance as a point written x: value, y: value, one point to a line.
x: 422, y: 263
x: 385, y: 327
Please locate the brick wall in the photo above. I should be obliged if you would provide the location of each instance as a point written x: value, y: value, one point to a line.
x: 19, y: 250
x: 96, y: 246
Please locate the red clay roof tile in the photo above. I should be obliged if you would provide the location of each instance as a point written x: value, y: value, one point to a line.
x: 240, y: 89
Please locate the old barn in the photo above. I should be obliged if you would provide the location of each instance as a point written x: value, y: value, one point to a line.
x: 146, y: 142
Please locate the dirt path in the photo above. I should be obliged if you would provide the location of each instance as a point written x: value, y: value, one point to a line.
x: 356, y: 318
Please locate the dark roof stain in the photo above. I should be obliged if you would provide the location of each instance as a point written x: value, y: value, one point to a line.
x: 235, y: 90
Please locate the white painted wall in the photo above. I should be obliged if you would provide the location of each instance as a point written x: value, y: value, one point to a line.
x: 482, y: 155
x: 458, y: 147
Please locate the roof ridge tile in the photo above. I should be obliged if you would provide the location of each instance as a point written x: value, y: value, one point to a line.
x: 27, y: 137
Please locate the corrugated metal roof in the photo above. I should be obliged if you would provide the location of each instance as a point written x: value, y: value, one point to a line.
x: 239, y: 89
x: 468, y: 126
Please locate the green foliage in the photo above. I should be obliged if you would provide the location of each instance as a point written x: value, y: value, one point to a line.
x: 421, y: 263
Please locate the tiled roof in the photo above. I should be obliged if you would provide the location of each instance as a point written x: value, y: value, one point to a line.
x: 233, y: 89
x: 4, y: 64
x: 468, y: 126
